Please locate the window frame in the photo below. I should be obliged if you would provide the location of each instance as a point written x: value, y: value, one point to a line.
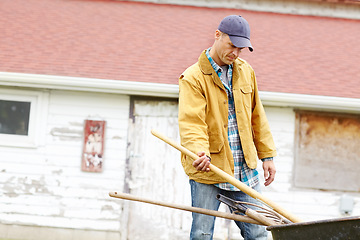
x: 37, y: 117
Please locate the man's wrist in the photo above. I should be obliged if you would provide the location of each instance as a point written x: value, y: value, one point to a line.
x: 267, y: 159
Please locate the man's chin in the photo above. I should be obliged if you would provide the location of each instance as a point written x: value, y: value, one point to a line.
x: 228, y: 62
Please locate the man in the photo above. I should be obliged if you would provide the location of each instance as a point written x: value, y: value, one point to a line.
x: 221, y: 118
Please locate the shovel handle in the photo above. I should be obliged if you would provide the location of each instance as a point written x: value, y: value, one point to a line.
x: 225, y: 215
x: 240, y: 185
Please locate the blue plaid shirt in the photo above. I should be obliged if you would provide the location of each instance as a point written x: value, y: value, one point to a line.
x: 241, y: 171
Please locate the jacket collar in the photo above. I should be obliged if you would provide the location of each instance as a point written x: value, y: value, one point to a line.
x: 205, y: 65
x: 207, y: 69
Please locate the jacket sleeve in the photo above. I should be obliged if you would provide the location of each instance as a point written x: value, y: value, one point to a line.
x: 262, y: 136
x: 192, y: 109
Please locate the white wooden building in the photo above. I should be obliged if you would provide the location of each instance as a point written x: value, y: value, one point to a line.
x: 44, y: 194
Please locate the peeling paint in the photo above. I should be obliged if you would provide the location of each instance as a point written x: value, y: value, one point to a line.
x: 66, y: 134
x: 107, y: 208
x: 80, y: 124
x: 14, y: 187
x: 8, y: 188
x: 57, y: 172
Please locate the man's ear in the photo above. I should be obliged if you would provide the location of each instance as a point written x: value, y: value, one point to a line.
x: 217, y: 34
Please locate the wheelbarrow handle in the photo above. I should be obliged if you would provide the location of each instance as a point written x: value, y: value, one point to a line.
x: 240, y: 185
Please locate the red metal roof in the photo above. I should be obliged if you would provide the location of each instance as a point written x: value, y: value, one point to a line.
x: 146, y: 42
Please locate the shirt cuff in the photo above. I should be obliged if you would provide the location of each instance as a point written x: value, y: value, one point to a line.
x: 267, y: 159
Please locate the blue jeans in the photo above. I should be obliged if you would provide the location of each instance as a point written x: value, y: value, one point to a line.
x: 204, y: 196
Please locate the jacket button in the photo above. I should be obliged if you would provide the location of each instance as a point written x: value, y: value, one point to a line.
x: 225, y: 125
x: 225, y: 102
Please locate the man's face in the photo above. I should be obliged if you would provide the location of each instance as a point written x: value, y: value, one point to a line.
x: 225, y: 51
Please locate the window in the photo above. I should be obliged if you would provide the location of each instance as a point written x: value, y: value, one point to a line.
x: 327, y: 151
x: 21, y: 115
x: 14, y: 117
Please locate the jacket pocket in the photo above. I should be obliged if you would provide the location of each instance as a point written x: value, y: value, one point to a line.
x: 216, y: 143
x: 246, y: 95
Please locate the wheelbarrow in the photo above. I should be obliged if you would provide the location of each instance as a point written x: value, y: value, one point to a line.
x: 282, y: 224
x: 333, y: 229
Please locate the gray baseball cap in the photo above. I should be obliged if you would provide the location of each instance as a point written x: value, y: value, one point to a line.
x: 238, y: 30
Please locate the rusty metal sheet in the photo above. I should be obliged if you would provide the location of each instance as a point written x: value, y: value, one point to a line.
x: 327, y: 151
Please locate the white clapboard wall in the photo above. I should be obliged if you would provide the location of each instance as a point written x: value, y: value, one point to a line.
x: 156, y: 173
x: 309, y: 204
x: 44, y: 186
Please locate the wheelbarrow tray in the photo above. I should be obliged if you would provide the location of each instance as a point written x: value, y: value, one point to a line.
x: 334, y: 229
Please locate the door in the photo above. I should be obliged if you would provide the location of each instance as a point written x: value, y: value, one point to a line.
x: 155, y: 172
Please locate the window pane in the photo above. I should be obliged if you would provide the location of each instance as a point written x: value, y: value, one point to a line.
x: 14, y: 117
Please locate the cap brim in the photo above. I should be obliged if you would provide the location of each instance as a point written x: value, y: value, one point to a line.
x: 241, y: 42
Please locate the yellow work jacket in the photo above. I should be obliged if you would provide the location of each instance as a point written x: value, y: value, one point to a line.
x: 203, y: 118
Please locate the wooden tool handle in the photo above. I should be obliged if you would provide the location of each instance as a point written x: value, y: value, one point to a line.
x: 187, y: 208
x: 240, y: 185
x: 259, y: 217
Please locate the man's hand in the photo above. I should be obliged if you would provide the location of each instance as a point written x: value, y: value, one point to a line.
x: 269, y: 172
x: 202, y: 163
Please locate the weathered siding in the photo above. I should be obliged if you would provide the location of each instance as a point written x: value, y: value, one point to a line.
x: 44, y: 192
x: 308, y: 204
x: 44, y: 186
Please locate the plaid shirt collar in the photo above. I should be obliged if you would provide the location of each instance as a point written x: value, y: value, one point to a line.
x: 218, y: 69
